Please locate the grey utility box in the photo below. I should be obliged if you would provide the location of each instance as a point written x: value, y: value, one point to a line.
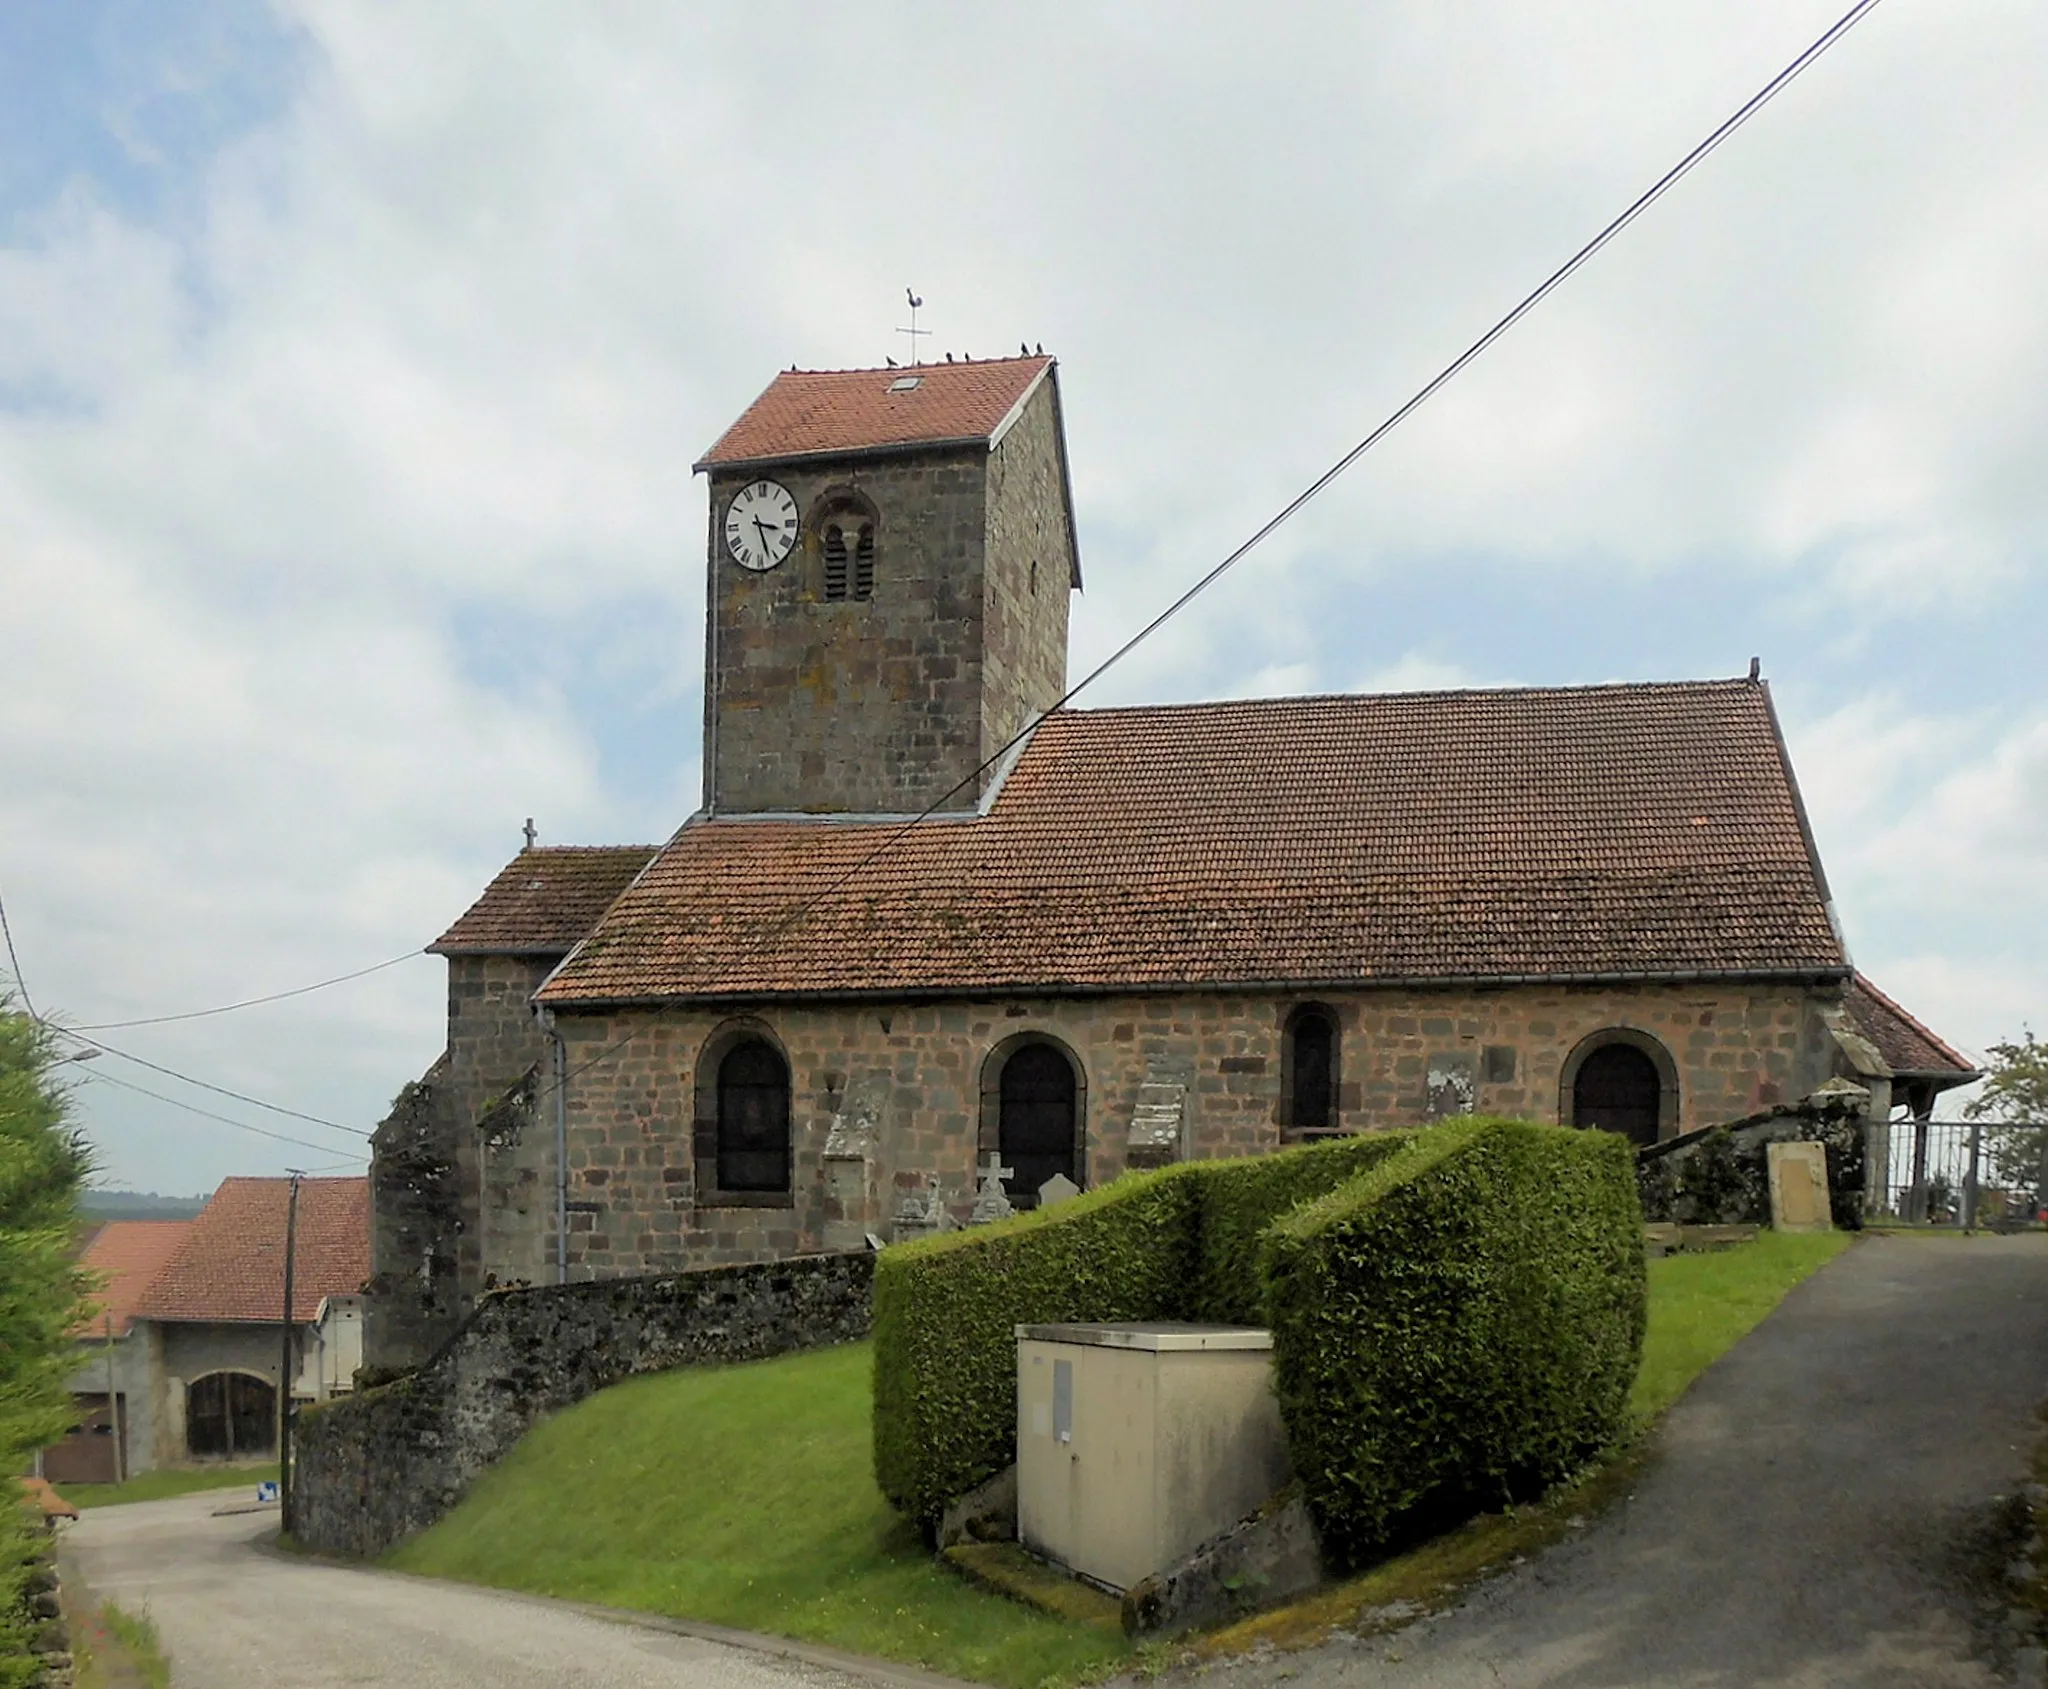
x: 1136, y: 1442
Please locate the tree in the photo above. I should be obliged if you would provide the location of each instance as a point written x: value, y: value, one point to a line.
x: 43, y: 1165
x: 43, y: 1162
x: 2014, y: 1104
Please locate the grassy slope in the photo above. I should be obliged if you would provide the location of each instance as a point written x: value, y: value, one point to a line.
x: 744, y: 1496
x: 740, y: 1496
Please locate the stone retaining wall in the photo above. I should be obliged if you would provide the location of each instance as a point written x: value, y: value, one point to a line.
x: 374, y: 1468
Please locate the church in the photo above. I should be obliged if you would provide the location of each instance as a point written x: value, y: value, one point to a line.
x: 928, y: 931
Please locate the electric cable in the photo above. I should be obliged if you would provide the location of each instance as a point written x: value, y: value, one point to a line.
x: 209, y: 1114
x: 14, y: 964
x: 218, y: 1090
x: 249, y: 1002
x: 1529, y: 301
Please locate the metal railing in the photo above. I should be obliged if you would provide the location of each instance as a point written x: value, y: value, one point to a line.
x: 1961, y: 1173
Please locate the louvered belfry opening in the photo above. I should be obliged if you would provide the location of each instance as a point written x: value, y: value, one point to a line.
x: 1618, y: 1090
x: 1036, y: 1135
x: 864, y: 562
x: 835, y: 561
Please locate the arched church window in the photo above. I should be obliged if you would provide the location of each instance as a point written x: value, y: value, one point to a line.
x: 1617, y: 1087
x: 753, y: 1118
x: 1309, y: 1074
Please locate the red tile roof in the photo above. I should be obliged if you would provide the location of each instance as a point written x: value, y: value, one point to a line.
x: 1907, y: 1047
x: 821, y: 413
x: 544, y: 900
x: 125, y: 1257
x: 1605, y: 831
x: 231, y: 1263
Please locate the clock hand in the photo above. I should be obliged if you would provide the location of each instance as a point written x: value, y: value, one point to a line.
x: 761, y: 528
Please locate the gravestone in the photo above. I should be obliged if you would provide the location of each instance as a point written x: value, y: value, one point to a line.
x: 1799, y: 1187
x: 1059, y: 1188
x: 994, y: 1202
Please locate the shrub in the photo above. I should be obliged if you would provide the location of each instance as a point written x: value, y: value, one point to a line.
x: 946, y: 1309
x: 1180, y: 1243
x: 1456, y: 1326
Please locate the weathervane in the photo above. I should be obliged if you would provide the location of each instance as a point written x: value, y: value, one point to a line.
x: 913, y: 330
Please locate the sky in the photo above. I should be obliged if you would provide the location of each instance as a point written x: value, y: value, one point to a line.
x: 353, y: 359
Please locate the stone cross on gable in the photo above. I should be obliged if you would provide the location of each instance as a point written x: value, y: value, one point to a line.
x: 994, y: 1202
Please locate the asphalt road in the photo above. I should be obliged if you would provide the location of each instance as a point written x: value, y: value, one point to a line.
x: 1825, y: 1508
x: 235, y: 1616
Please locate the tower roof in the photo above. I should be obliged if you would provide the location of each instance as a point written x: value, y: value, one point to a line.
x: 831, y: 413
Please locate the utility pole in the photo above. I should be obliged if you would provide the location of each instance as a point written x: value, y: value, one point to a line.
x: 114, y: 1410
x: 284, y: 1371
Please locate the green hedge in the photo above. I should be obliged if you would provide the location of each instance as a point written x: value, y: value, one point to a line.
x: 1181, y: 1243
x: 1456, y: 1327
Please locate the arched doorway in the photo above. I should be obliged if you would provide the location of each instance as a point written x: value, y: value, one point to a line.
x: 1618, y: 1089
x: 1309, y: 1079
x: 1036, y: 1132
x: 230, y: 1416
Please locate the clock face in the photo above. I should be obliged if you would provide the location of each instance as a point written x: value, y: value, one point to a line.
x: 760, y: 525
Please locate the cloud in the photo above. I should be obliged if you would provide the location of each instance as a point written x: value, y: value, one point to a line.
x: 345, y: 506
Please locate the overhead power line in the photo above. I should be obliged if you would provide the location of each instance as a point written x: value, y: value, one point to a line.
x: 250, y: 1002
x: 1528, y: 302
x: 218, y: 1090
x: 14, y: 964
x: 1422, y: 395
x: 97, y: 1078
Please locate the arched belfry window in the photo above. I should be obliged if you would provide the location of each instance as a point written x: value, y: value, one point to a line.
x: 845, y: 524
x: 1310, y: 1069
x: 1622, y: 1081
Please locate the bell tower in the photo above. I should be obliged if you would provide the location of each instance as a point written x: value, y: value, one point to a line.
x: 890, y: 554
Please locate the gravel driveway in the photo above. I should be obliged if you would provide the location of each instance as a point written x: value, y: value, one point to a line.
x: 236, y: 1616
x: 1825, y: 1508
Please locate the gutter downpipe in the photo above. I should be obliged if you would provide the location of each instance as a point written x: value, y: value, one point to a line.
x: 560, y: 1063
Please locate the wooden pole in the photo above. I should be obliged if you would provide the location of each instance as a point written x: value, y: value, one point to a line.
x: 284, y: 1370
x: 114, y: 1409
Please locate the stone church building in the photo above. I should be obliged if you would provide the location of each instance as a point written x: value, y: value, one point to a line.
x: 1120, y: 937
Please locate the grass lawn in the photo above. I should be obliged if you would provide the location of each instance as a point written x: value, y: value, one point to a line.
x: 745, y: 1496
x: 167, y: 1481
x: 1701, y: 1304
x: 741, y: 1496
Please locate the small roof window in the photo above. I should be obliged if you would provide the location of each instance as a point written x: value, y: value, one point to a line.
x: 904, y: 383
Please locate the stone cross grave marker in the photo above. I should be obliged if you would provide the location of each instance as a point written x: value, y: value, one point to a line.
x: 994, y: 1202
x: 1059, y: 1188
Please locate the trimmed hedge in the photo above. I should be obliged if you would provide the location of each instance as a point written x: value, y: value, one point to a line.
x: 1457, y: 1327
x: 1180, y: 1243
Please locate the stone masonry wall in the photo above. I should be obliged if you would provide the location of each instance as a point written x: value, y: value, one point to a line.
x: 865, y: 706
x: 507, y: 1171
x: 879, y: 706
x: 1028, y: 577
x: 916, y: 1073
x: 373, y: 1468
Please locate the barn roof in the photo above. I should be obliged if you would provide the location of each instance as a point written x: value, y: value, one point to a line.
x: 544, y: 900
x: 825, y: 413
x: 1604, y: 832
x: 1909, y: 1049
x: 230, y: 1266
x: 124, y: 1259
